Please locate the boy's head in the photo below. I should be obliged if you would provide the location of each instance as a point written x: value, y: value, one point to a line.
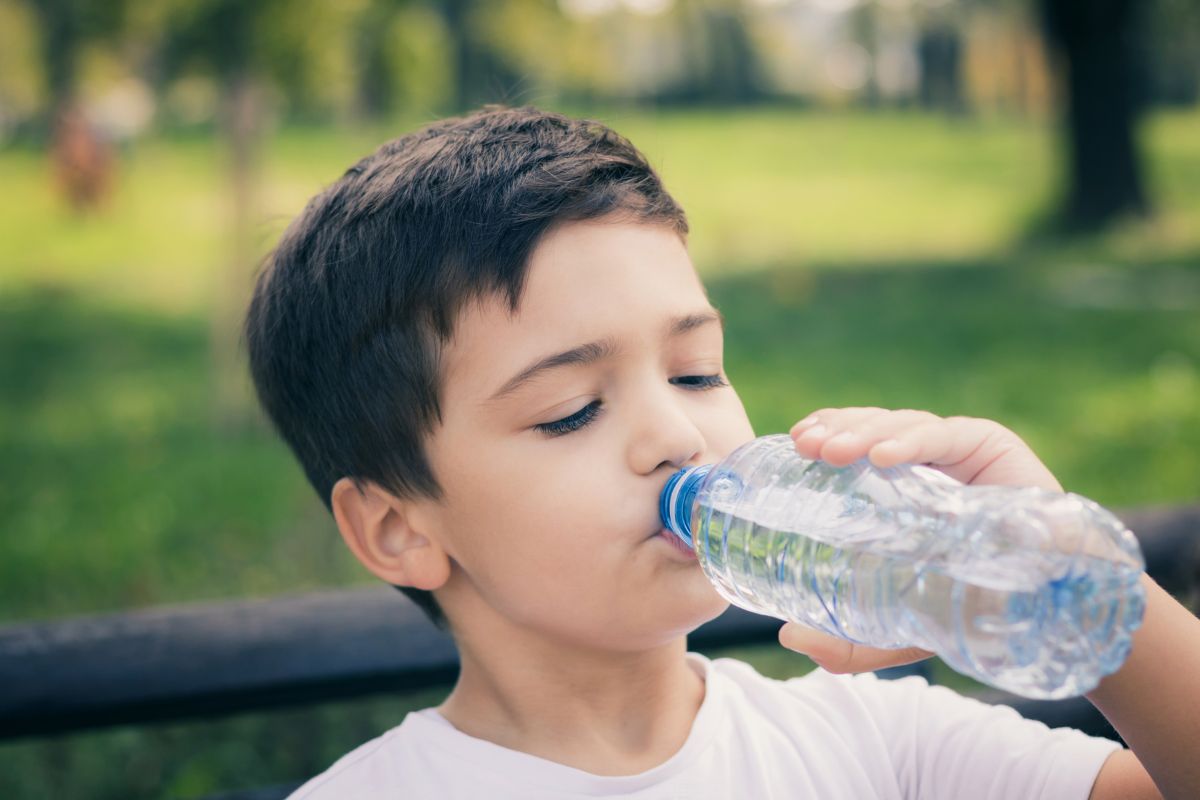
x: 389, y: 336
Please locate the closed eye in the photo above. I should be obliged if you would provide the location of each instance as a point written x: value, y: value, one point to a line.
x: 586, y: 415
x: 579, y: 419
x: 702, y: 381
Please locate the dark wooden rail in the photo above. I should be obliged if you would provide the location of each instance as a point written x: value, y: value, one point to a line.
x: 207, y: 660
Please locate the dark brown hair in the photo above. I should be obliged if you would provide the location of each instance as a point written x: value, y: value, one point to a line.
x: 351, y: 311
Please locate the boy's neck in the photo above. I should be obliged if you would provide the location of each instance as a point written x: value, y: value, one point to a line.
x: 613, y: 714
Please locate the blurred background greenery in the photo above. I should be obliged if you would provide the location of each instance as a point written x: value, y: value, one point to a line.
x: 945, y: 204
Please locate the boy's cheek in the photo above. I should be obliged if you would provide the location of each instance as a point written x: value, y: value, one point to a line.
x: 731, y: 430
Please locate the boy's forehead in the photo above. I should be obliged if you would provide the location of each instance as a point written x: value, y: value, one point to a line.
x: 584, y: 281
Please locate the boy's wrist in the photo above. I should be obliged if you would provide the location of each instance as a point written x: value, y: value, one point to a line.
x: 1153, y: 700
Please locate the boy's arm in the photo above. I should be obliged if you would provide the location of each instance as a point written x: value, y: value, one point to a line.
x: 1154, y: 703
x: 1153, y: 700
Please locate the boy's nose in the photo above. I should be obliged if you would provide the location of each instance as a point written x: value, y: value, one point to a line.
x: 665, y: 436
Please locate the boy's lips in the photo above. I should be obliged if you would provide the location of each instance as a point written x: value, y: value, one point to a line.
x: 675, y: 543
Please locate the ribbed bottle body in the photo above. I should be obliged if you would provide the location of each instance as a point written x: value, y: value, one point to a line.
x: 1031, y: 591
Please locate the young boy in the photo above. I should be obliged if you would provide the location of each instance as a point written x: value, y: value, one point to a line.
x: 489, y: 349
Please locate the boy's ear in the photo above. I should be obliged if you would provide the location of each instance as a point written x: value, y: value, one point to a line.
x: 386, y: 534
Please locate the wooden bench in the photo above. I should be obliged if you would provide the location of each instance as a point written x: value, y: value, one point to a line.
x: 207, y: 660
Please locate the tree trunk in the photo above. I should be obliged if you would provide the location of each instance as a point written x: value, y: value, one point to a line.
x: 939, y: 50
x: 463, y: 53
x: 59, y: 24
x: 732, y: 74
x: 1095, y: 45
x: 376, y: 83
x: 241, y: 103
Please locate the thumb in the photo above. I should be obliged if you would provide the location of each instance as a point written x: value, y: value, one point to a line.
x: 840, y: 656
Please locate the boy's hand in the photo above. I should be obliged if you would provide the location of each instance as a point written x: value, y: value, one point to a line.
x: 974, y: 451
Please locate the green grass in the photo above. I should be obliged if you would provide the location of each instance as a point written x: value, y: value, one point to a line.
x: 761, y: 188
x: 118, y: 489
x: 857, y: 259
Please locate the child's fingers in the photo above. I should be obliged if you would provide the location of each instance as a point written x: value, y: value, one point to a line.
x: 945, y: 442
x: 811, y: 433
x: 952, y: 443
x: 844, y: 438
x: 865, y: 422
x: 839, y: 656
x: 835, y: 418
x: 890, y: 452
x: 969, y: 450
x: 923, y: 443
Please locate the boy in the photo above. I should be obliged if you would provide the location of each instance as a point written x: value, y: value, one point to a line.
x: 489, y: 349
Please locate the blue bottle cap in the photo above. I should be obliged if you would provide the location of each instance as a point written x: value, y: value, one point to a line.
x: 675, y: 502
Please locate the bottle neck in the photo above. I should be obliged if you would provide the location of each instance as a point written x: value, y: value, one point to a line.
x: 675, y: 503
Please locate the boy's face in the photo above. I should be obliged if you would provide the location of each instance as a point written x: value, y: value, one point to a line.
x: 559, y: 534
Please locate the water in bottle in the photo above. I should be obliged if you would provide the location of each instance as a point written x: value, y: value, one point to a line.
x: 1028, y: 590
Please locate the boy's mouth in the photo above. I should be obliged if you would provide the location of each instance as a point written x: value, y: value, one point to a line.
x: 675, y: 543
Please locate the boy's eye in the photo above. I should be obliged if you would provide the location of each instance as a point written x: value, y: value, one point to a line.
x: 701, y: 381
x: 587, y: 414
x: 572, y: 423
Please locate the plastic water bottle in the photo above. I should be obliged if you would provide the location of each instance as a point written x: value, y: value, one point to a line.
x: 1028, y: 590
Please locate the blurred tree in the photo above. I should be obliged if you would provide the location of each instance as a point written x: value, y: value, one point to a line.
x: 732, y: 72
x: 248, y: 47
x: 221, y: 35
x: 535, y: 39
x: 1174, y: 33
x: 402, y: 57
x: 864, y: 28
x: 722, y: 60
x: 481, y: 74
x: 66, y: 27
x: 378, y: 88
x: 939, y: 51
x: 1097, y: 43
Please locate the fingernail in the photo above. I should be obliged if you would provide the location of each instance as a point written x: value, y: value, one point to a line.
x: 799, y: 639
x: 815, y: 430
x: 792, y: 638
x: 799, y: 427
x: 845, y: 437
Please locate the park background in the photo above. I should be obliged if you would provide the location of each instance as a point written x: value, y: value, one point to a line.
x: 979, y: 207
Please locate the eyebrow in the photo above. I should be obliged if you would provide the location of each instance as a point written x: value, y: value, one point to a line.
x: 599, y: 350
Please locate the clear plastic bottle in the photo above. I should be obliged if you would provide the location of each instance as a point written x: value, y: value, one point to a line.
x: 1028, y: 590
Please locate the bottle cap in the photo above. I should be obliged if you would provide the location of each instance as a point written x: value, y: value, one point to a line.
x: 675, y: 502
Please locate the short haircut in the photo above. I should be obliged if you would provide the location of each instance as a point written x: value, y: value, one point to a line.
x: 353, y: 308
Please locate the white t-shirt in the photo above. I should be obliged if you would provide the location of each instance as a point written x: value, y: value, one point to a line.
x: 818, y: 736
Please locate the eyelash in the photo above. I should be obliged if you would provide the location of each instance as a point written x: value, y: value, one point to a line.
x: 586, y: 415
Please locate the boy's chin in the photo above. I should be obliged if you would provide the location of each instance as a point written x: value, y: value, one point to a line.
x: 698, y: 606
x: 669, y: 624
